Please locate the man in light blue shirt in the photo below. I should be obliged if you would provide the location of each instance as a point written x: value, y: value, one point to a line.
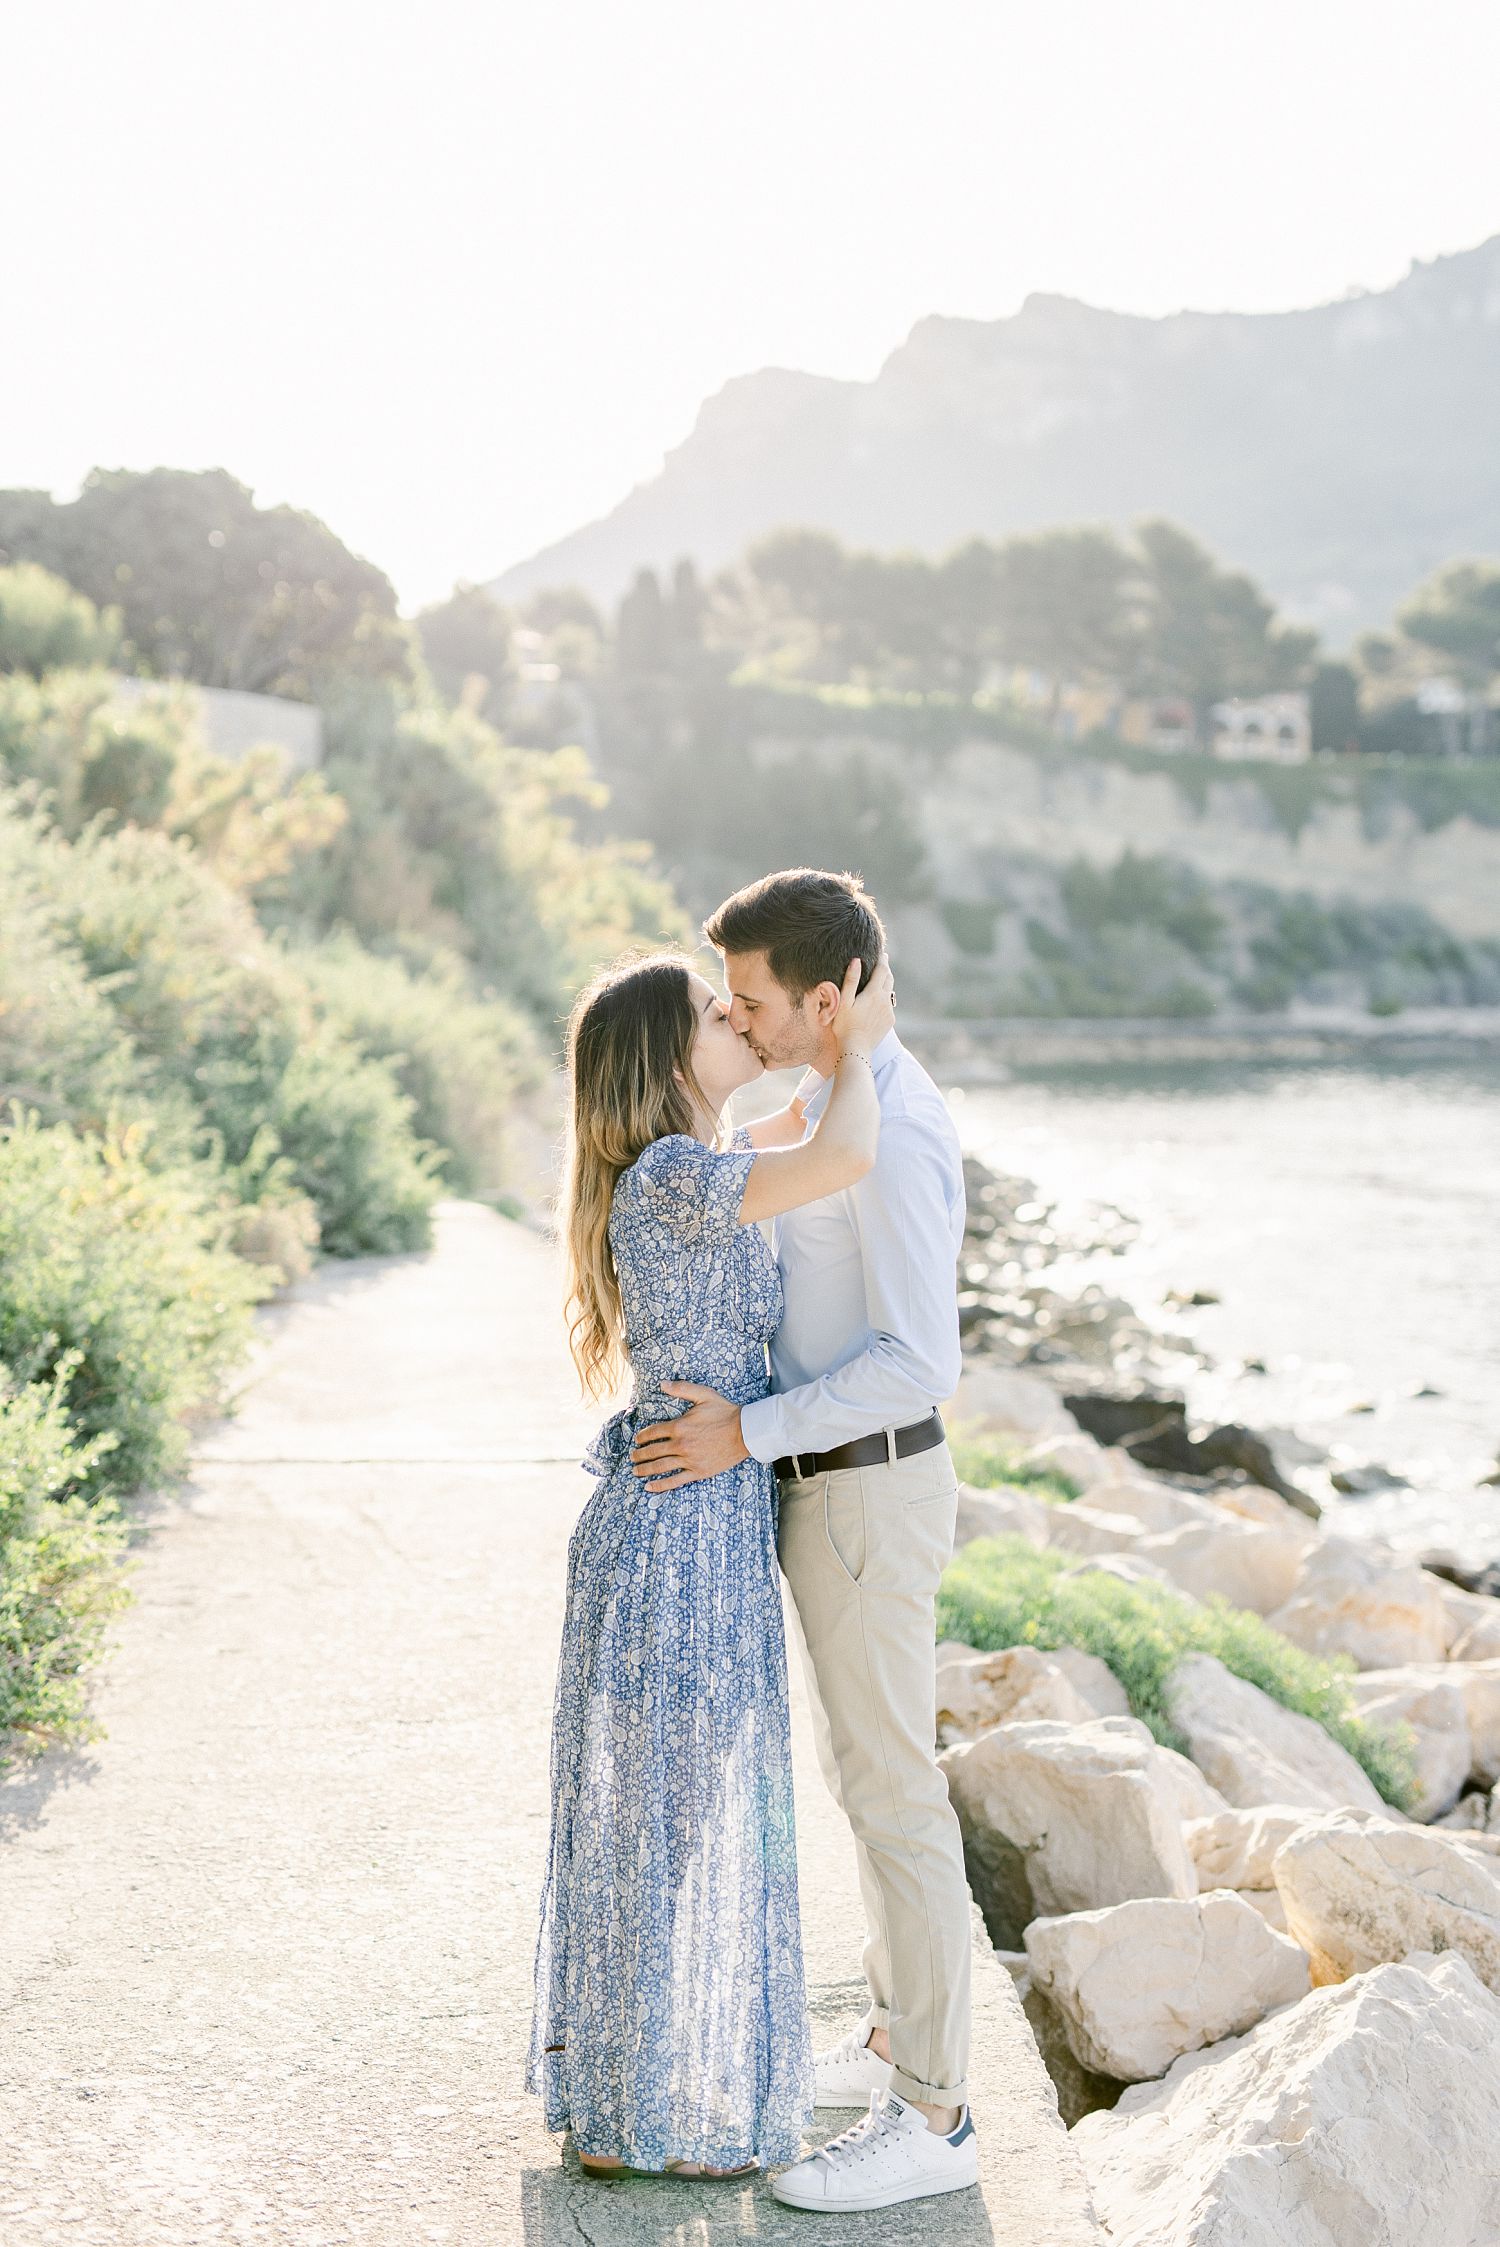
x: 869, y: 1337
x: 867, y: 1350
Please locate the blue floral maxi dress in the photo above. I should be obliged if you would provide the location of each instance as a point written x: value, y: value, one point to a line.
x: 669, y: 1966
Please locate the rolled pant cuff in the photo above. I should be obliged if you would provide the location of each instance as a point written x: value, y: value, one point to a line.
x: 876, y: 2017
x: 931, y: 2094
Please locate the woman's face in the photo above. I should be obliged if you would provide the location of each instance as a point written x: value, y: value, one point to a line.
x: 722, y: 1061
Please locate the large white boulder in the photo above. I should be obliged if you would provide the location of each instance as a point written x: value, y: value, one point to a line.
x: 1255, y: 1751
x: 1479, y: 1682
x: 1000, y: 1513
x: 1251, y: 1501
x: 1245, y: 1562
x: 1429, y: 1698
x: 1156, y: 1505
x: 1359, y: 1894
x: 1017, y: 1685
x: 1234, y: 1848
x: 1361, y: 1599
x: 1141, y: 1983
x: 1063, y: 1818
x: 1126, y: 1568
x: 1354, y: 2119
x: 1476, y: 1813
x: 1004, y: 1399
x: 1473, y: 1623
x: 1075, y: 1455
x: 1094, y: 1679
x: 1082, y: 1528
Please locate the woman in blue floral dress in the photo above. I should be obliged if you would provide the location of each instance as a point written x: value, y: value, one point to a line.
x: 670, y: 2032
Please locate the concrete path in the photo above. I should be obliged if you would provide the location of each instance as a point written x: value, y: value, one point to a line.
x: 265, y: 1949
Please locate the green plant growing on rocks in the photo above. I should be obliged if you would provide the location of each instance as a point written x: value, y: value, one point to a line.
x: 1002, y: 1591
x: 992, y: 1462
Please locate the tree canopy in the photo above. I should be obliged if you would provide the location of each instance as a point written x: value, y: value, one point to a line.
x: 209, y: 586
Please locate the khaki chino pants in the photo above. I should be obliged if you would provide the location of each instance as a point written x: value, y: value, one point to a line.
x: 862, y: 1550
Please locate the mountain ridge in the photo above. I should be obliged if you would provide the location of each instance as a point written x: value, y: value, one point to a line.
x: 1339, y: 451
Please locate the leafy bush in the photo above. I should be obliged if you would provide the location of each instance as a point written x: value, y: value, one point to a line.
x: 59, y: 1582
x: 1001, y: 1591
x: 464, y: 1062
x: 45, y: 625
x: 226, y: 1032
x: 998, y: 1462
x: 120, y: 1274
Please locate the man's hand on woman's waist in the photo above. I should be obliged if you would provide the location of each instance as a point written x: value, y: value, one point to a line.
x: 705, y: 1441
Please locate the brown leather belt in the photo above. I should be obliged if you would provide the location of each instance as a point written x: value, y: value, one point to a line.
x: 865, y: 1451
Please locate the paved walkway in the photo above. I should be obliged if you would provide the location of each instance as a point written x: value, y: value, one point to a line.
x: 265, y: 1949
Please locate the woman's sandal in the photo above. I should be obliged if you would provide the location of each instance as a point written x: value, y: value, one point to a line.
x: 691, y: 2172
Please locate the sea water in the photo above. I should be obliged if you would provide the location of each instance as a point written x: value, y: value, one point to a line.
x: 1347, y: 1218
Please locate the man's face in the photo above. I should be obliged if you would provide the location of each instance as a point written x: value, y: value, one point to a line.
x: 782, y: 1032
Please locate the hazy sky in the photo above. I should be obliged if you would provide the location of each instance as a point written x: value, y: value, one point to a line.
x: 455, y: 276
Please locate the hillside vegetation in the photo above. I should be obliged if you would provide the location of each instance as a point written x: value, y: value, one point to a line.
x: 245, y: 1019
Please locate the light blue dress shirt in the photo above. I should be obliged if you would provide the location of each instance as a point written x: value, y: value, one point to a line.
x: 869, y: 1338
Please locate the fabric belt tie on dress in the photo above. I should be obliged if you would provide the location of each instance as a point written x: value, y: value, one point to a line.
x: 888, y: 1446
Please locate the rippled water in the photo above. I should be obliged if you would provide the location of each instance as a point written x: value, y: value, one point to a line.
x: 1349, y: 1219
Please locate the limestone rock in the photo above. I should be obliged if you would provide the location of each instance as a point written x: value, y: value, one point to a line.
x: 1255, y: 1751
x: 1192, y: 1795
x: 1474, y: 1813
x: 1234, y: 1848
x: 1429, y: 1698
x: 1358, y: 1895
x: 1129, y: 1568
x: 1156, y: 1505
x: 1269, y: 1904
x: 1063, y: 1818
x: 1359, y: 1598
x: 1479, y: 1682
x: 1075, y: 1455
x: 1080, y: 2090
x: 1248, y: 1563
x: 1016, y: 1685
x: 1081, y: 1528
x: 1003, y: 1398
x: 1250, y: 1501
x: 1000, y: 1513
x: 1094, y: 1679
x: 1474, y: 1622
x: 1141, y: 1983
x: 1350, y: 2120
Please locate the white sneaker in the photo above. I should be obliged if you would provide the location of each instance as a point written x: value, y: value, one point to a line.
x: 889, y: 2155
x: 846, y: 2074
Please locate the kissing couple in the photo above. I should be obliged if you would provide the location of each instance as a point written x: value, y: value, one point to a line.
x: 671, y: 2034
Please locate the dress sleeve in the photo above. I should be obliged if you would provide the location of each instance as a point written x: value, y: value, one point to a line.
x: 693, y: 1191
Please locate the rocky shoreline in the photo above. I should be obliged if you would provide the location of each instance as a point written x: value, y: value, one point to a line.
x: 1267, y: 1989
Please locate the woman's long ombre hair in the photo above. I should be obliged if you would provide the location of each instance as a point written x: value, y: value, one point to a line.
x: 630, y: 1080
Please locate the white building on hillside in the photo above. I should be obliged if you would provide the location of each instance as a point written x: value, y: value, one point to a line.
x: 234, y: 722
x: 1274, y: 726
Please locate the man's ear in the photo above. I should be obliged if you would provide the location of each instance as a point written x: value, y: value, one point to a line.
x: 825, y: 998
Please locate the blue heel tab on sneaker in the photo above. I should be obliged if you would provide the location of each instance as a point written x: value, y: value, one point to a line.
x: 964, y: 2130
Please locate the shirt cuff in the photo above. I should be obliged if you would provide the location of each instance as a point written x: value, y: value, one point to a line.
x: 761, y: 1430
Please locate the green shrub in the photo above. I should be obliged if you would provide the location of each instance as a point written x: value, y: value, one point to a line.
x: 999, y: 1462
x: 120, y: 1273
x: 1001, y: 1591
x: 221, y: 1023
x: 344, y: 1127
x: 44, y: 624
x: 59, y: 1582
x: 464, y: 1062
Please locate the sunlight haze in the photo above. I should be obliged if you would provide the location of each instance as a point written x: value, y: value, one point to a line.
x: 455, y: 278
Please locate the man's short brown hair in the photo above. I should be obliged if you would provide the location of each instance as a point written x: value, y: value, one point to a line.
x: 809, y: 925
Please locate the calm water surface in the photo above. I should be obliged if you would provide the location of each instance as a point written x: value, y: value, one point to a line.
x: 1349, y: 1220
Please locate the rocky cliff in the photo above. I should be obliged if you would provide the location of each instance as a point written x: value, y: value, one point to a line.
x: 1340, y: 453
